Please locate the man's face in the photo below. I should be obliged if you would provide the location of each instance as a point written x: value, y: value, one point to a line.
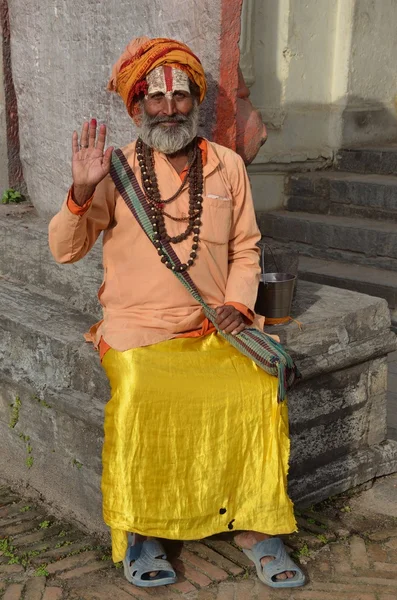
x: 169, y: 112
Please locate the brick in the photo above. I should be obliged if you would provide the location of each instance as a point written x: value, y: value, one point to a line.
x: 230, y: 552
x: 376, y: 553
x: 212, y: 571
x: 105, y: 591
x: 244, y: 590
x: 24, y: 527
x: 324, y: 567
x: 341, y: 558
x: 392, y: 544
x: 304, y: 594
x: 20, y: 518
x: 184, y: 587
x: 191, y: 574
x: 384, y: 534
x: 136, y: 592
x: 263, y: 592
x: 226, y: 591
x: 375, y: 581
x: 13, y: 592
x: 53, y: 593
x: 38, y: 536
x: 206, y: 595
x: 9, y: 569
x: 207, y: 553
x: 72, y: 561
x: 358, y: 553
x: 387, y: 569
x: 57, y: 553
x: 34, y: 588
x: 12, y: 509
x: 83, y: 570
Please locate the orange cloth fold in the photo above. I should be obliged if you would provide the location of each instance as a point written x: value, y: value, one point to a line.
x: 141, y: 56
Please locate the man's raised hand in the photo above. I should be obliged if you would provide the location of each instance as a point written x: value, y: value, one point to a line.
x: 90, y: 164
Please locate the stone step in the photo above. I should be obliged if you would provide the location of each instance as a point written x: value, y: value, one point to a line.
x: 344, y: 194
x: 366, y: 280
x: 50, y: 438
x: 369, y: 159
x: 360, y: 241
x: 25, y: 256
x: 42, y: 344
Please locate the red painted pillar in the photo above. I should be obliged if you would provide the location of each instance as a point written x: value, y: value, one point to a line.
x: 225, y: 128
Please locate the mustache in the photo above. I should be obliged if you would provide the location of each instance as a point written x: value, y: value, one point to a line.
x: 175, y: 119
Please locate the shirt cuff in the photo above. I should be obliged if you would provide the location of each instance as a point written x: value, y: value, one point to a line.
x: 246, y: 312
x: 76, y: 209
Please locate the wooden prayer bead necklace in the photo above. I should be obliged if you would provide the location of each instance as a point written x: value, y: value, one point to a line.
x: 194, y: 177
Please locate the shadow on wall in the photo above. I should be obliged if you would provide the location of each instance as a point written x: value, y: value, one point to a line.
x: 366, y: 120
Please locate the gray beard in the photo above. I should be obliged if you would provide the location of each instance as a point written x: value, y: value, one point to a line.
x: 169, y: 139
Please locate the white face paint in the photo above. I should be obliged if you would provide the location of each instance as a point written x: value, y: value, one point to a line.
x: 167, y: 80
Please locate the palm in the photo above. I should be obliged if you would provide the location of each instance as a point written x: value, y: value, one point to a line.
x: 90, y: 164
x: 88, y: 167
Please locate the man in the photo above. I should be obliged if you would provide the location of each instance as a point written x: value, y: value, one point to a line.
x: 195, y: 440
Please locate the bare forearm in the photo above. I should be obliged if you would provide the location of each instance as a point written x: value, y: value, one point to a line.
x: 82, y: 193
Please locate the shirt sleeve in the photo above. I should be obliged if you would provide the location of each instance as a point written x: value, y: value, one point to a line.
x: 244, y: 270
x: 74, y: 208
x: 75, y: 229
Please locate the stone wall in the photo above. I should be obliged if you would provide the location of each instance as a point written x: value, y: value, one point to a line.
x: 61, y: 61
x: 53, y: 390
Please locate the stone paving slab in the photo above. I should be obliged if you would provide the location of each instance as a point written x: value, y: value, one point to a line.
x: 348, y: 553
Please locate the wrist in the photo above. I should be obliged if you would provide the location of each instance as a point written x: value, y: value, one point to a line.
x: 82, y: 193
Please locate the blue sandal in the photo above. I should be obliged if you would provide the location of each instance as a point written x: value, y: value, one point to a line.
x: 282, y: 562
x: 148, y: 556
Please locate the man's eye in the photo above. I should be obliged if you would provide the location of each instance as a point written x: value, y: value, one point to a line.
x: 157, y: 96
x: 180, y: 95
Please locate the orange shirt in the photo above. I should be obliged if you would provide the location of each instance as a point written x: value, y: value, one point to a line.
x: 143, y: 302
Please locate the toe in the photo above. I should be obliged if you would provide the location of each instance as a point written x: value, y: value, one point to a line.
x: 290, y: 574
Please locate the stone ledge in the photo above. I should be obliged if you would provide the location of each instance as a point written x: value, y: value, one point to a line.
x: 337, y: 414
x: 335, y: 329
x: 25, y: 256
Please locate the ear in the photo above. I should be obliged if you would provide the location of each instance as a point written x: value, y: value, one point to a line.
x: 137, y: 114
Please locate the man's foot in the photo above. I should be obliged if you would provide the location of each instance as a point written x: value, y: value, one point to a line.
x: 142, y: 558
x: 248, y: 539
x: 139, y: 539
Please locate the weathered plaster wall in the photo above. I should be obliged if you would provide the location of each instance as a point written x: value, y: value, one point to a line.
x: 323, y: 73
x: 62, y: 57
x: 371, y: 114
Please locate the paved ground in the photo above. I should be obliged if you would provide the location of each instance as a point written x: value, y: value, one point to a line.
x: 347, y: 546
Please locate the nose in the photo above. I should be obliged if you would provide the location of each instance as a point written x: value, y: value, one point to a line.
x: 169, y: 106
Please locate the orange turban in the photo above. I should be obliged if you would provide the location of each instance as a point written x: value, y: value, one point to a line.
x: 141, y: 56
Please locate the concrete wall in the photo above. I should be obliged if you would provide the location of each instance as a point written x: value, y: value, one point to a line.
x: 370, y: 114
x: 61, y: 59
x: 324, y: 75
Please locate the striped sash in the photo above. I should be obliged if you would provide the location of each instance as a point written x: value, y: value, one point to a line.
x: 268, y: 354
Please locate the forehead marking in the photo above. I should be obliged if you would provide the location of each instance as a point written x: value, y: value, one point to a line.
x: 169, y: 79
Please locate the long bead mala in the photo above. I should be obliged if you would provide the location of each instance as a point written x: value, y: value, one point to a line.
x: 194, y: 177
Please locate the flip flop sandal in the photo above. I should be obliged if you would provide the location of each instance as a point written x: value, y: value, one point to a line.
x: 152, y: 557
x: 282, y: 562
x: 133, y: 552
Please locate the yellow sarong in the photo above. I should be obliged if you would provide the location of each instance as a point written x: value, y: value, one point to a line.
x: 195, y: 444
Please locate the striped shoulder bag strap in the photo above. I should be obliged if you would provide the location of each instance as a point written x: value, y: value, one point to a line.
x: 268, y: 354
